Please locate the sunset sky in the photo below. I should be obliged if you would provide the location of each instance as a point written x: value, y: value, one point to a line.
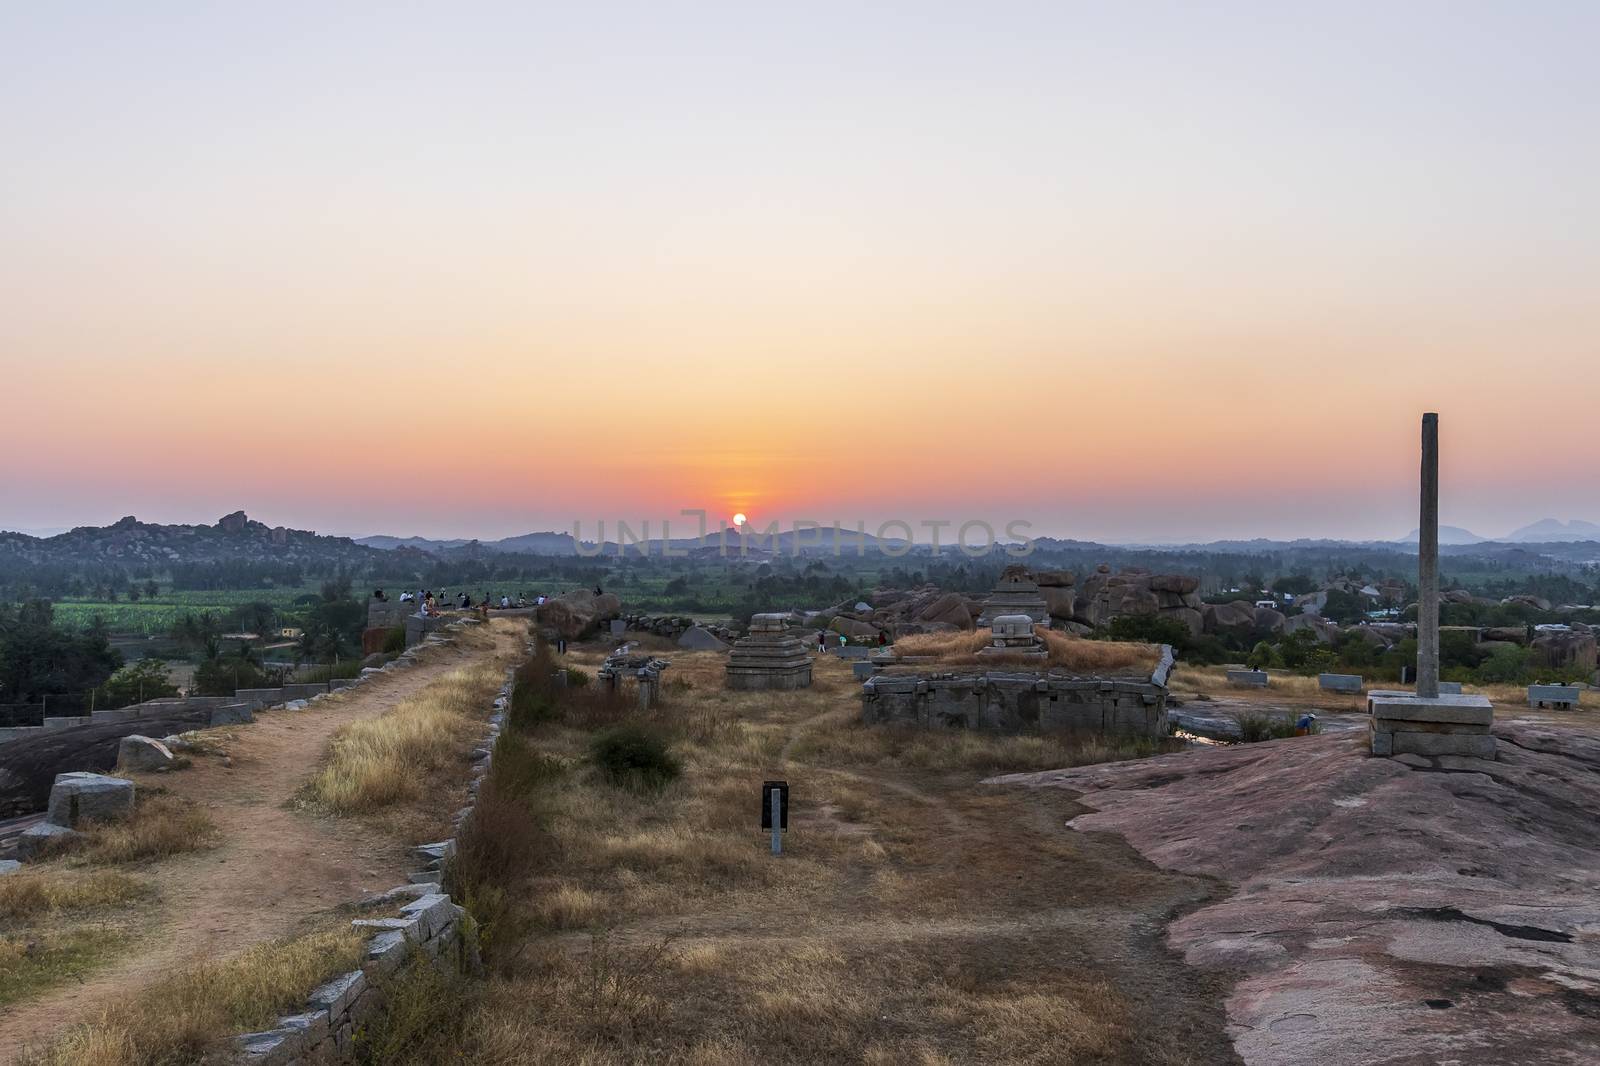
x: 1126, y: 271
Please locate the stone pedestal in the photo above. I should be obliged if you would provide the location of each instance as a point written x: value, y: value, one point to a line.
x: 1013, y: 637
x: 769, y: 658
x: 1442, y: 725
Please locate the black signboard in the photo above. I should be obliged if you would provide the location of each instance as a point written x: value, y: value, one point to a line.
x: 767, y: 789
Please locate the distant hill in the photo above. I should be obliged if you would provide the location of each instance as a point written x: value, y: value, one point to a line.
x: 1552, y: 531
x: 233, y: 538
x: 386, y: 543
x: 1447, y: 535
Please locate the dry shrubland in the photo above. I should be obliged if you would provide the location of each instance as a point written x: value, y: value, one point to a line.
x: 1066, y: 652
x: 915, y: 917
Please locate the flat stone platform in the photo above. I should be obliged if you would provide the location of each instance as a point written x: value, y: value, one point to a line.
x: 1384, y: 910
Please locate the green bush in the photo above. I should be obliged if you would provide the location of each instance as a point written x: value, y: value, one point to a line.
x: 147, y: 679
x: 634, y: 756
x: 576, y: 678
x: 394, y: 640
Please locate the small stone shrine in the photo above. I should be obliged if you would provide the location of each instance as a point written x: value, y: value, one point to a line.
x: 770, y: 657
x: 1014, y: 638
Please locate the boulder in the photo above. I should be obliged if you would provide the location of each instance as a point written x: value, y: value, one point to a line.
x: 1508, y: 634
x: 1269, y: 619
x: 1061, y: 600
x: 1182, y: 584
x: 1055, y: 579
x: 136, y: 753
x: 1538, y: 603
x: 698, y: 638
x: 9, y: 866
x: 80, y: 797
x: 1326, y: 632
x: 1190, y: 617
x: 854, y: 629
x: 1564, y: 649
x: 950, y: 609
x: 1237, y: 617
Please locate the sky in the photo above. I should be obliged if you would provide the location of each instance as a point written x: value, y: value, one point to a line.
x: 1137, y: 272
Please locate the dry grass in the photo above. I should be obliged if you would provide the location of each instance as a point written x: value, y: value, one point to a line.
x: 401, y: 755
x: 179, y: 1019
x: 48, y: 889
x: 160, y: 826
x: 1066, y: 652
x: 914, y: 917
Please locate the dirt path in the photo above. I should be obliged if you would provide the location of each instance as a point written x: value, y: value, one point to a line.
x: 275, y: 867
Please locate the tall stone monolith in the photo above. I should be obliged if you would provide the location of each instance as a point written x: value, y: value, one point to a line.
x: 1428, y: 564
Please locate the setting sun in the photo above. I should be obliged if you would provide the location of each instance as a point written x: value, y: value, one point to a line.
x: 739, y: 519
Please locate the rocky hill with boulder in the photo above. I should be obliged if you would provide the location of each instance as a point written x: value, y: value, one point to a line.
x: 235, y: 537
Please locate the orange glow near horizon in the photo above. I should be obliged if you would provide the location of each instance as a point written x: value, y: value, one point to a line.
x: 794, y: 267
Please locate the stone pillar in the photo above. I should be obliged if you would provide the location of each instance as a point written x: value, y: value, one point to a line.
x: 1428, y: 564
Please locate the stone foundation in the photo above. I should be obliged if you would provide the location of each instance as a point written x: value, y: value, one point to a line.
x: 1445, y: 725
x: 1004, y: 701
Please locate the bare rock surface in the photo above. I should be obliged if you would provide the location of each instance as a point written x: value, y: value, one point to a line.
x: 1427, y: 911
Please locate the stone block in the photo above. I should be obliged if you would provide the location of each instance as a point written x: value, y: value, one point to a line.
x: 137, y: 752
x: 432, y: 913
x: 1248, y: 678
x: 312, y: 1025
x: 1555, y: 695
x: 232, y: 714
x: 1382, y: 743
x: 385, y: 952
x: 1449, y: 688
x: 336, y: 996
x: 39, y: 836
x: 1340, y: 682
x: 1461, y: 710
x: 1481, y: 746
x: 9, y: 866
x: 434, y: 854
x: 862, y: 671
x: 78, y: 797
x: 274, y: 1047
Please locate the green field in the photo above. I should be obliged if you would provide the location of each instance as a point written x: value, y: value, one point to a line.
x: 151, y: 617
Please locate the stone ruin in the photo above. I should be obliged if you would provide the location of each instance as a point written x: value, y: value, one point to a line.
x: 1016, y: 593
x: 1012, y: 636
x: 643, y: 670
x: 1022, y: 701
x: 771, y: 657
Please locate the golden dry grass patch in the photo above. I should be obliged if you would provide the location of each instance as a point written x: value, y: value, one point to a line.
x: 182, y: 1017
x: 398, y: 756
x: 1066, y: 652
x: 51, y: 887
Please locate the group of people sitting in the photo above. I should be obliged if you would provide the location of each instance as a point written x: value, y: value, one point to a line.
x: 428, y: 603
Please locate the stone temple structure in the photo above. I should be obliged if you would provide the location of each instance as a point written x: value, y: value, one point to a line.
x: 1016, y: 593
x: 1430, y: 724
x: 1013, y: 637
x: 770, y: 657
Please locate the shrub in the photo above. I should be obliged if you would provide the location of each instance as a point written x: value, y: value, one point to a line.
x: 394, y: 640
x: 633, y: 755
x: 576, y: 678
x: 147, y: 679
x: 1258, y: 727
